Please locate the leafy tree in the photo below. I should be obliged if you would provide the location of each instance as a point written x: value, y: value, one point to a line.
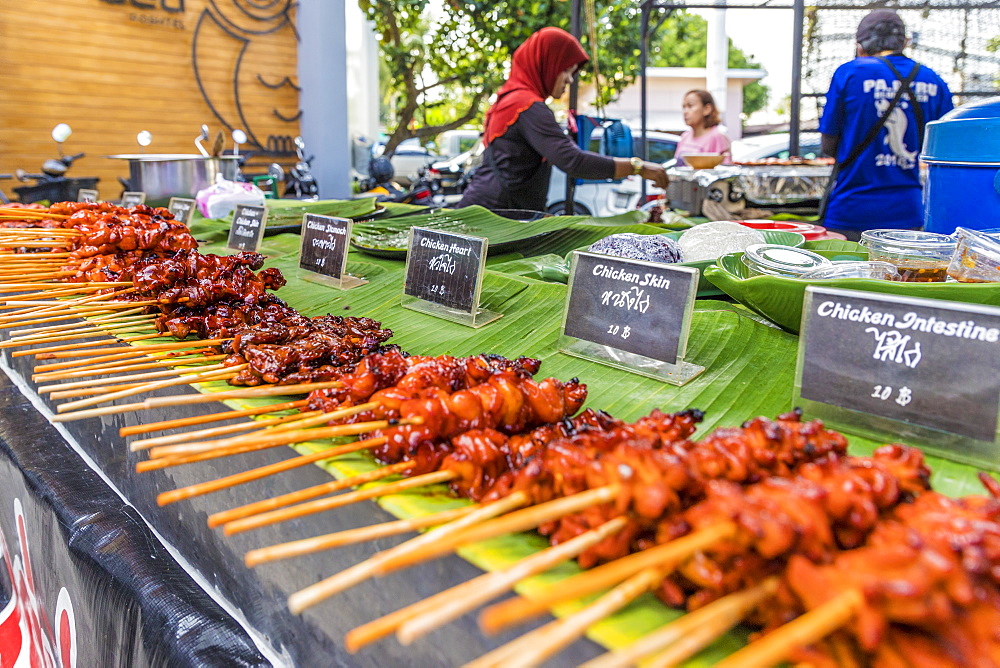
x: 682, y: 41
x: 441, y: 68
x: 460, y: 56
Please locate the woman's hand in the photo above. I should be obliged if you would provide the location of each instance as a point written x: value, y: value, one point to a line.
x: 653, y: 171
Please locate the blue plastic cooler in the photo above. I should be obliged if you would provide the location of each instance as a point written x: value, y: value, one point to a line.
x: 962, y: 152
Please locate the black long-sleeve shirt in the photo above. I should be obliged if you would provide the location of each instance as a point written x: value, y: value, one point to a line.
x: 516, y: 175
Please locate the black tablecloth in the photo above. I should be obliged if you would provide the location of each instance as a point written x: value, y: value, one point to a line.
x: 134, y: 603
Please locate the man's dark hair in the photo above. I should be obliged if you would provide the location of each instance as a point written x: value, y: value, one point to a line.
x: 882, y: 30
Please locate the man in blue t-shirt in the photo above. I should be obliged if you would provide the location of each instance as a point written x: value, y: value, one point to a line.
x: 881, y: 187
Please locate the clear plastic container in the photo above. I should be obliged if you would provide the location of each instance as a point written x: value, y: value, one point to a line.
x: 976, y: 258
x: 920, y: 257
x: 878, y: 269
x: 776, y: 260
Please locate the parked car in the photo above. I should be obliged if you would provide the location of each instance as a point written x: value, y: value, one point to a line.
x: 452, y: 143
x: 775, y: 146
x: 609, y: 198
x: 410, y: 157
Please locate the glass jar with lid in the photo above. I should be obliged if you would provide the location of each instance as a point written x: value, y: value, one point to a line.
x: 976, y: 258
x: 777, y: 260
x: 921, y: 257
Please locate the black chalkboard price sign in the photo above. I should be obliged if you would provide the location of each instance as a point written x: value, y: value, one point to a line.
x: 182, y: 209
x: 444, y: 274
x: 641, y: 311
x: 323, y: 254
x: 902, y: 366
x: 133, y: 198
x: 247, y: 229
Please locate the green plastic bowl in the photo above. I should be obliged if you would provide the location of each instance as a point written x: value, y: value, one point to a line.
x: 780, y: 299
x: 706, y: 288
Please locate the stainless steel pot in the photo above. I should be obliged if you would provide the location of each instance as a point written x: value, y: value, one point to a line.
x: 166, y: 175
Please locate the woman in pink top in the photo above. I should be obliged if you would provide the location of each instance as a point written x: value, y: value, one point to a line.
x: 701, y: 114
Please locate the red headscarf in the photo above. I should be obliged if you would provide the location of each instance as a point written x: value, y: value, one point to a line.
x: 536, y: 65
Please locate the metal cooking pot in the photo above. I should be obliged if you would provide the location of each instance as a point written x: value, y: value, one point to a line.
x: 166, y: 175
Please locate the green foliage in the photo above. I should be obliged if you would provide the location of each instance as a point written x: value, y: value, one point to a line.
x: 437, y: 71
x: 682, y: 41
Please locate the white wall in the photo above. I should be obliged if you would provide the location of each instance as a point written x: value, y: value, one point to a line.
x: 323, y: 98
x: 666, y: 89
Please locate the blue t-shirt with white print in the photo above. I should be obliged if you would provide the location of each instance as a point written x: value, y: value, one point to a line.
x: 881, y: 189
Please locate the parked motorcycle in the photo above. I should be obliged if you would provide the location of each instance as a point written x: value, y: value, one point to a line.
x: 299, y: 182
x: 52, y: 184
x: 380, y: 185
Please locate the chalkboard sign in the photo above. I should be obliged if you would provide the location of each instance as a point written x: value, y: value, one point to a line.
x: 133, y: 198
x: 446, y: 270
x: 182, y: 209
x: 323, y: 253
x: 643, y: 308
x: 247, y: 230
x: 924, y: 363
x: 85, y: 195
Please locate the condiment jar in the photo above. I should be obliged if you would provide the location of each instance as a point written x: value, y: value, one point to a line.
x: 777, y: 260
x: 877, y: 269
x: 921, y: 257
x: 976, y: 258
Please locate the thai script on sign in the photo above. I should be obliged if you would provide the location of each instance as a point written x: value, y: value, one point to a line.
x: 633, y: 299
x: 891, y: 346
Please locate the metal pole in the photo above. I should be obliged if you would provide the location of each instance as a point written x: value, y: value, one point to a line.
x: 574, y: 90
x: 794, y: 124
x: 643, y: 111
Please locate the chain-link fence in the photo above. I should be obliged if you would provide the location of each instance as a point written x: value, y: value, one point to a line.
x: 958, y: 40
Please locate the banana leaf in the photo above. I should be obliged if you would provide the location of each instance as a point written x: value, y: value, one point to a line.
x: 389, y: 237
x: 749, y: 371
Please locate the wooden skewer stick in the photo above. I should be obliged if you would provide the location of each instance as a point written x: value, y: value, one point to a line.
x: 97, y: 321
x: 321, y: 505
x: 345, y: 579
x: 309, y: 419
x: 691, y: 633
x: 563, y: 632
x: 457, y: 601
x: 194, y: 359
x: 330, y: 541
x: 156, y: 402
x: 82, y: 388
x: 264, y: 471
x: 187, y: 379
x: 801, y: 632
x: 178, y: 374
x: 123, y: 362
x: 521, y: 520
x: 152, y: 347
x: 84, y: 333
x: 220, y: 518
x: 167, y: 462
x: 519, y: 610
x: 42, y: 353
x: 506, y: 654
x: 451, y: 603
x: 213, y: 417
x: 201, y: 434
x: 13, y: 302
x: 107, y: 355
x: 103, y: 309
x: 62, y: 304
x: 247, y: 393
x: 49, y: 308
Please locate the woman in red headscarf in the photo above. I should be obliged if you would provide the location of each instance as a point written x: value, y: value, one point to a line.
x: 523, y: 140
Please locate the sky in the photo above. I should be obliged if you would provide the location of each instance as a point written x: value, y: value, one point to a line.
x: 765, y: 34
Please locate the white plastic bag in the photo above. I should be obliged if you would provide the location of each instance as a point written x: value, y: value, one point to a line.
x: 219, y: 200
